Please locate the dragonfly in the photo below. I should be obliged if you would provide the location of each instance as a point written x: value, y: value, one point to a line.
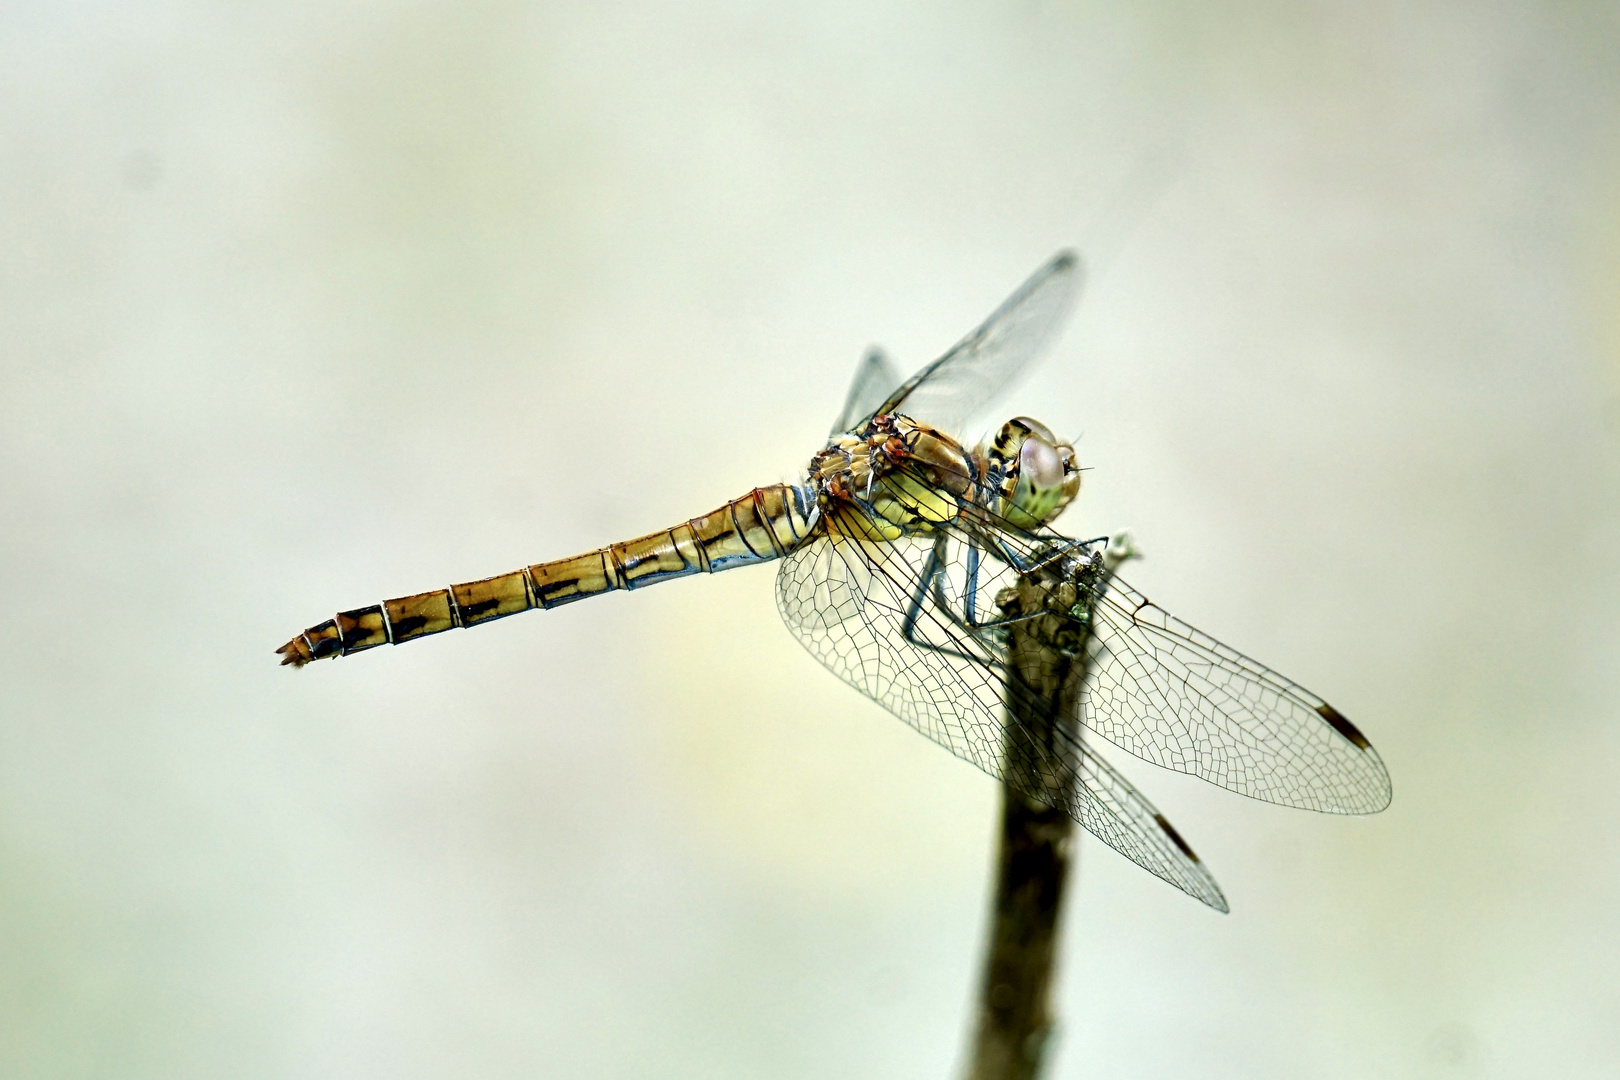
x: 915, y: 567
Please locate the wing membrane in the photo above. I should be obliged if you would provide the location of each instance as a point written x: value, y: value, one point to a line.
x: 957, y: 387
x: 850, y: 602
x: 846, y: 600
x: 1171, y: 694
x: 1112, y: 810
x: 875, y: 377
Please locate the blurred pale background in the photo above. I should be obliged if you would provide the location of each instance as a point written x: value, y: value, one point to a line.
x: 306, y: 305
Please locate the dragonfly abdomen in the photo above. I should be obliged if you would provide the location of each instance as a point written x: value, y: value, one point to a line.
x: 763, y: 525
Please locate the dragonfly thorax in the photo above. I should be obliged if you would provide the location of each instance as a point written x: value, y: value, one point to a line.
x: 907, y: 478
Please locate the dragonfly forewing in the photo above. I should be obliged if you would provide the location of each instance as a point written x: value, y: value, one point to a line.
x: 958, y: 387
x: 1171, y: 694
x: 875, y: 378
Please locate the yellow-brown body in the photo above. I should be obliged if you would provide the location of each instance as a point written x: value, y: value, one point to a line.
x: 893, y: 478
x: 762, y: 525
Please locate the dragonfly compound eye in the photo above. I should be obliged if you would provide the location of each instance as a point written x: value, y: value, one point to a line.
x: 1039, y: 464
x: 1040, y: 474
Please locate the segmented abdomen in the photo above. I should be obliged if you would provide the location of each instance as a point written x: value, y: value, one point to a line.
x: 763, y: 525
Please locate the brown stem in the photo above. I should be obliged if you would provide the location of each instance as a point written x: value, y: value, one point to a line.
x: 1015, y: 1021
x: 1015, y: 1008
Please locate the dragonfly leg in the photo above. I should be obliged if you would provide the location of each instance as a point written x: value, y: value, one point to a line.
x: 970, y: 596
x: 932, y: 580
x: 966, y: 620
x: 1026, y: 564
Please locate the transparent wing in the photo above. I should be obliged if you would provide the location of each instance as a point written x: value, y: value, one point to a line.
x: 866, y: 611
x: 1171, y: 694
x: 875, y: 376
x: 953, y: 390
x: 1113, y: 811
x: 846, y: 600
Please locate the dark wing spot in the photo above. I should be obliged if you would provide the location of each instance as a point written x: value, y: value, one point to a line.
x: 1170, y: 831
x: 1344, y: 727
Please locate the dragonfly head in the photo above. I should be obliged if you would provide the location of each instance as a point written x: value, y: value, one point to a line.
x: 1035, y: 475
